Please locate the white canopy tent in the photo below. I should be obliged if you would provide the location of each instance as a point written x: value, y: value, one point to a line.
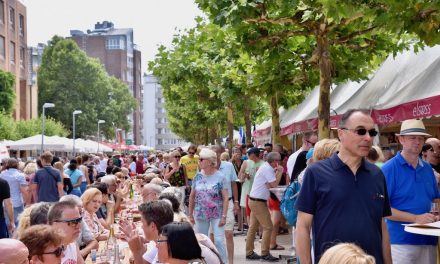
x: 34, y: 143
x: 56, y: 143
x: 404, y: 87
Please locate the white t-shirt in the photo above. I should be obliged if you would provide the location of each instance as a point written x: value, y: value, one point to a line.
x: 265, y: 174
x: 291, y: 161
x: 102, y: 165
x: 151, y: 253
x: 70, y: 256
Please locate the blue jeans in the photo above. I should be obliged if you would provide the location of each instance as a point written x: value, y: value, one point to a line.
x: 76, y: 192
x: 83, y: 187
x: 17, y: 211
x: 3, y: 229
x: 202, y: 226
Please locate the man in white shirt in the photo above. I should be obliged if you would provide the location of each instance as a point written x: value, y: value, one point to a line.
x: 267, y: 176
x: 154, y: 215
x: 297, y: 161
x: 102, y: 162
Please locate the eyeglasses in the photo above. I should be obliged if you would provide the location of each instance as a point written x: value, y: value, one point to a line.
x: 71, y: 221
x: 362, y: 131
x: 161, y: 241
x: 177, y: 157
x: 57, y: 252
x: 191, y: 153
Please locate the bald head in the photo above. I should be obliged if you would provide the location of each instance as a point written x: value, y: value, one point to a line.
x: 13, y: 251
x: 435, y: 143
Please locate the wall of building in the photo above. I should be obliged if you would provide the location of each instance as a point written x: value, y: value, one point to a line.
x: 13, y: 52
x: 155, y: 117
x: 122, y: 62
x: 149, y: 114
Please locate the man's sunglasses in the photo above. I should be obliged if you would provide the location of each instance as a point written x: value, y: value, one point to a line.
x: 362, y: 131
x: 57, y: 252
x: 71, y: 221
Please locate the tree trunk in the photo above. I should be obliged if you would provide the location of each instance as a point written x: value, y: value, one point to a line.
x: 213, y: 135
x: 276, y: 138
x: 206, y: 137
x: 325, y: 69
x: 248, y: 123
x: 230, y: 125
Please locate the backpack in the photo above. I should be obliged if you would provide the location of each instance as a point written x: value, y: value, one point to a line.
x: 287, y: 205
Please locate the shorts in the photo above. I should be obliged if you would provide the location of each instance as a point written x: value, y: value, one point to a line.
x: 274, y: 204
x: 230, y: 218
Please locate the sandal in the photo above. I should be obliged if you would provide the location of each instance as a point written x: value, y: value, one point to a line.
x: 277, y: 247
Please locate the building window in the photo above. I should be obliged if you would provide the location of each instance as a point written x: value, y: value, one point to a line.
x: 21, y: 25
x: 115, y: 43
x: 22, y: 57
x: 2, y: 12
x: 12, y: 52
x: 11, y: 18
x: 2, y: 47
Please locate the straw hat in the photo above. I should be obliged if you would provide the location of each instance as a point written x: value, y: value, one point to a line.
x: 414, y: 127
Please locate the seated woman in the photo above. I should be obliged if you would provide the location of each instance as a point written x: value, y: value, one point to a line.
x: 171, y: 239
x: 44, y: 243
x: 92, y: 200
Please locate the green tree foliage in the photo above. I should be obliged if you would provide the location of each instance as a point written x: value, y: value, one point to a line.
x: 7, y: 92
x: 7, y: 127
x: 73, y: 81
x: 341, y: 39
x: 28, y: 128
x: 15, y: 130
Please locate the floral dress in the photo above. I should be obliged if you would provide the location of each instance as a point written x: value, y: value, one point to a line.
x: 209, y: 198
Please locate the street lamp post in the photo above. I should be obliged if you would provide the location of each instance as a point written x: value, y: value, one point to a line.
x: 76, y: 112
x: 99, y: 122
x: 45, y: 105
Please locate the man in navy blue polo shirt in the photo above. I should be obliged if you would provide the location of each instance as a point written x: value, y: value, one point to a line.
x: 412, y: 187
x: 345, y: 197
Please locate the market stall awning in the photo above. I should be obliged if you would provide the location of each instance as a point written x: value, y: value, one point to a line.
x: 404, y: 87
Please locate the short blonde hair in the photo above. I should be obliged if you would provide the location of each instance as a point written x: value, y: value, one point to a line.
x: 224, y: 156
x: 346, y: 253
x: 210, y: 155
x: 30, y: 168
x: 379, y: 152
x: 325, y: 148
x: 88, y: 195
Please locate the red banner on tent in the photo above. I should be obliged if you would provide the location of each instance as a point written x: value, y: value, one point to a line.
x: 416, y: 109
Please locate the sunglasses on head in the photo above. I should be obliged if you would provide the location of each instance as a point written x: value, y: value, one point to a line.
x: 363, y: 131
x: 71, y: 221
x: 57, y: 252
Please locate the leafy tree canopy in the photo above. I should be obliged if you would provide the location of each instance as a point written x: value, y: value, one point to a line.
x: 73, y: 81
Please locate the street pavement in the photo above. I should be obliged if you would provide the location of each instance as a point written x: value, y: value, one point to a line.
x: 284, y: 240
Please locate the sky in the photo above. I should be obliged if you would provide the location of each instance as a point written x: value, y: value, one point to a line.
x: 154, y: 22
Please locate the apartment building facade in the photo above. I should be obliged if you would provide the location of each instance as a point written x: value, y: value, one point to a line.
x: 157, y: 133
x: 116, y: 50
x: 13, y: 53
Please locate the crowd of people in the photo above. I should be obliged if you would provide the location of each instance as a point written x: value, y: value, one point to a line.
x: 351, y: 206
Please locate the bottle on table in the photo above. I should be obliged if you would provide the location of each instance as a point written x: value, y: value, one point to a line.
x: 110, y: 245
